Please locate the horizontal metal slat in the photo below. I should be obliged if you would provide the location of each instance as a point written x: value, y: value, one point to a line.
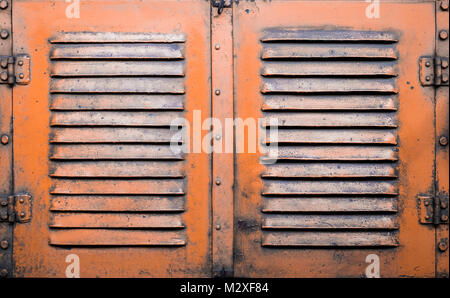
x: 113, y: 135
x: 328, y: 85
x: 329, y: 102
x: 116, y: 37
x: 116, y: 102
x: 336, y: 136
x: 330, y: 119
x: 118, y: 203
x: 330, y: 170
x: 116, y: 186
x: 146, y: 85
x: 115, y: 220
x: 117, y: 51
x: 336, y: 204
x: 113, y: 152
x: 334, y: 68
x: 116, y: 68
x: 329, y: 187
x: 103, y: 237
x: 116, y: 118
x: 334, y: 153
x: 292, y: 34
x: 300, y: 221
x: 116, y: 169
x: 332, y: 239
x: 327, y: 51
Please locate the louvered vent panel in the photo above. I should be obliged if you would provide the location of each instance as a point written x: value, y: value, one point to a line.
x: 334, y: 94
x: 116, y: 180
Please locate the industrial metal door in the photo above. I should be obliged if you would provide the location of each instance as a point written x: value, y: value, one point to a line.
x: 92, y: 138
x: 356, y: 139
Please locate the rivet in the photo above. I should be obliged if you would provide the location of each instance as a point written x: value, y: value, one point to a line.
x: 218, y: 181
x: 4, y: 76
x: 3, y: 4
x: 443, y: 205
x: 426, y: 203
x: 4, y: 244
x: 3, y: 203
x: 21, y: 75
x: 444, y: 63
x: 217, y: 92
x: 443, y: 34
x: 443, y: 141
x: 20, y: 62
x: 4, y: 34
x: 427, y: 217
x: 444, y: 78
x: 444, y: 217
x: 218, y: 137
x: 21, y: 200
x: 427, y: 78
x: 218, y: 227
x: 427, y: 64
x: 5, y: 139
x: 22, y: 214
x: 442, y: 245
x: 217, y: 46
x: 444, y: 5
x: 3, y: 273
x: 4, y: 63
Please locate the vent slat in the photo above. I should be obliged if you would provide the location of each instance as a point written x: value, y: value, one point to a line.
x: 82, y: 102
x: 329, y: 187
x: 328, y: 85
x: 329, y: 102
x: 332, y: 239
x: 116, y: 186
x: 336, y: 136
x: 330, y: 170
x: 299, y: 221
x: 323, y: 119
x: 116, y: 68
x: 118, y: 203
x: 113, y: 152
x: 116, y: 37
x: 113, y: 135
x: 337, y: 204
x: 115, y: 220
x: 102, y: 237
x: 117, y: 51
x: 335, y: 68
x: 328, y: 51
x: 293, y: 34
x: 105, y: 118
x: 146, y: 85
x: 334, y: 153
x: 115, y: 169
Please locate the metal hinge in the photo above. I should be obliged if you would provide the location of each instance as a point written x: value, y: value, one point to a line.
x: 433, y: 71
x: 16, y: 208
x: 433, y: 210
x: 221, y: 4
x: 15, y: 70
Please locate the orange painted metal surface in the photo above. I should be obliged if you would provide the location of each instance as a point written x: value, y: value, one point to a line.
x: 361, y: 173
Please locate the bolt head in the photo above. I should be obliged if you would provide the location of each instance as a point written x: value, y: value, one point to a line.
x: 444, y: 63
x: 22, y: 214
x: 218, y: 227
x: 4, y: 244
x: 444, y: 78
x: 217, y: 46
x: 4, y: 63
x: 426, y: 203
x: 218, y: 181
x: 427, y: 64
x: 218, y: 137
x: 444, y: 217
x: 444, y: 5
x: 4, y: 34
x: 21, y: 75
x: 3, y: 4
x: 3, y: 76
x: 3, y: 203
x: 427, y: 78
x: 443, y: 141
x: 443, y: 34
x: 443, y: 205
x: 217, y: 92
x: 5, y: 139
x: 20, y: 63
x: 3, y: 273
x: 442, y: 246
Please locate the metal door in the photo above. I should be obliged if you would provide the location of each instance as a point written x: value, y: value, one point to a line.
x: 356, y: 139
x: 92, y: 138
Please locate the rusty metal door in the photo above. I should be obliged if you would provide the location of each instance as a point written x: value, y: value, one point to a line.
x: 92, y: 134
x: 356, y: 139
